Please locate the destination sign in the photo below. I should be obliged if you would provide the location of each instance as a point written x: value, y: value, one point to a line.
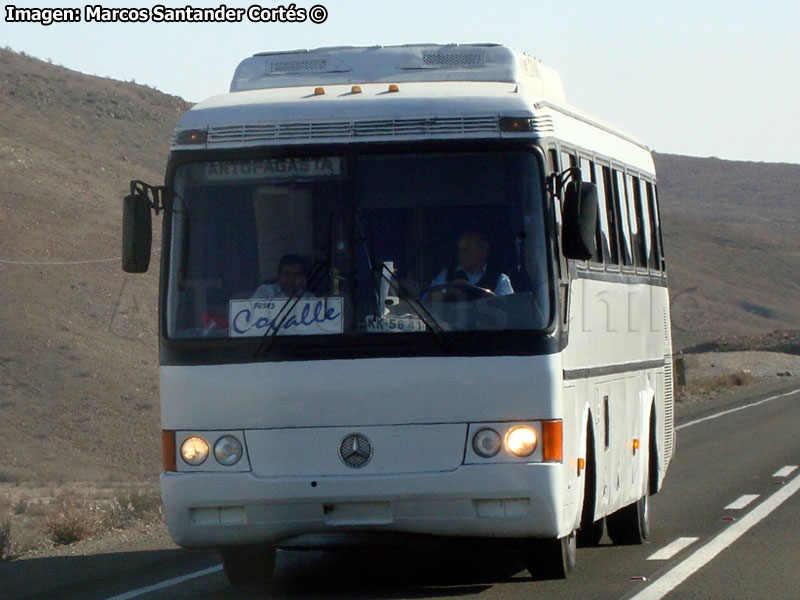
x: 272, y: 168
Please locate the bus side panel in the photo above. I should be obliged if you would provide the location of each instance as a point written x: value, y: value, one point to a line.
x: 615, y: 359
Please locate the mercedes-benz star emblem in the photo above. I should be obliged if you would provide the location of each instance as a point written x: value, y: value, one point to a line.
x: 355, y: 450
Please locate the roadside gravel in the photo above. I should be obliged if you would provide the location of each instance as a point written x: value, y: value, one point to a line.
x: 768, y: 373
x: 760, y: 365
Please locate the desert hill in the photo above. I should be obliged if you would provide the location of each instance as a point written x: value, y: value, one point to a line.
x: 732, y: 237
x: 78, y: 347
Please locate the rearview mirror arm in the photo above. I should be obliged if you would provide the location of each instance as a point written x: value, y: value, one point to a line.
x: 557, y: 181
x: 153, y: 193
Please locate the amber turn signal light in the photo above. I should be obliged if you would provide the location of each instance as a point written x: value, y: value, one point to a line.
x: 552, y: 441
x: 168, y: 451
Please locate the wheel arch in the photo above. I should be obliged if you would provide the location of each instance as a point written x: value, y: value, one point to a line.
x: 591, y: 466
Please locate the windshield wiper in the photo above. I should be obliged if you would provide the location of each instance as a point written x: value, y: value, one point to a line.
x: 431, y: 324
x: 404, y: 294
x: 319, y: 268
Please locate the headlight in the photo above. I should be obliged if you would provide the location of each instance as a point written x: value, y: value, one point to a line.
x: 486, y: 443
x: 228, y: 450
x: 521, y: 441
x: 194, y: 450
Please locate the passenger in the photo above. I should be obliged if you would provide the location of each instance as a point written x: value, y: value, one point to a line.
x: 473, y: 269
x: 292, y: 280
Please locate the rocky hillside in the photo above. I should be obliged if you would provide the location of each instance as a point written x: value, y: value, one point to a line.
x: 731, y: 232
x: 78, y: 352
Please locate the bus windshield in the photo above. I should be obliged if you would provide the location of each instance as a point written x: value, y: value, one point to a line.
x: 392, y: 243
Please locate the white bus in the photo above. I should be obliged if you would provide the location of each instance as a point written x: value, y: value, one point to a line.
x: 406, y: 290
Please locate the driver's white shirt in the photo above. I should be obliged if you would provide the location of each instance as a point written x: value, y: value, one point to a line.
x: 502, y: 288
x: 273, y: 290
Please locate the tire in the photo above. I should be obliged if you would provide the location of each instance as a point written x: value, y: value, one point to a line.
x: 630, y: 525
x: 248, y: 565
x: 551, y: 559
x: 590, y: 532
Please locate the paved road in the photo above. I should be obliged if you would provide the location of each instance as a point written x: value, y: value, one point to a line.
x: 725, y: 526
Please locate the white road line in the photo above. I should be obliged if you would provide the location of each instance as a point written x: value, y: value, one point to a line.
x: 733, y: 410
x: 741, y: 502
x: 785, y: 471
x: 703, y: 555
x: 672, y: 549
x: 166, y: 584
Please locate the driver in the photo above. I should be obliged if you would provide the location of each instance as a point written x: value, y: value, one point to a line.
x: 473, y: 270
x: 291, y: 282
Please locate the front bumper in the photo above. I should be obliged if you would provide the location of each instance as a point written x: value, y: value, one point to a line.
x: 498, y: 500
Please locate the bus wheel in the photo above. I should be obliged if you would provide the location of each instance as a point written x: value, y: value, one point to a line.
x: 631, y: 524
x: 248, y: 565
x: 551, y: 559
x: 590, y: 532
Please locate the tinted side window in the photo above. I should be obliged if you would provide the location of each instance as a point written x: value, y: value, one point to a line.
x: 586, y: 170
x: 655, y: 227
x: 552, y: 160
x: 647, y: 226
x: 609, y: 226
x: 635, y: 213
x: 621, y: 203
x: 587, y: 174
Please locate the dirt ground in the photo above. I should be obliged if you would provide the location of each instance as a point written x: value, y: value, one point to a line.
x: 761, y: 365
x: 711, y: 374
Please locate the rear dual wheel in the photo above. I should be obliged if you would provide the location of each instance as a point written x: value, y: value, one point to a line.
x: 631, y: 524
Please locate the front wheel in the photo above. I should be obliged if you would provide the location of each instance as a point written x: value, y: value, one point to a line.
x: 590, y: 531
x: 248, y: 565
x: 551, y: 559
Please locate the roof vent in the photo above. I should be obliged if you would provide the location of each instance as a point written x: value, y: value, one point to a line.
x: 282, y: 67
x: 453, y: 59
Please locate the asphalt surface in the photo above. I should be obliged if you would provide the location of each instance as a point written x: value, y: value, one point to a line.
x: 737, y: 520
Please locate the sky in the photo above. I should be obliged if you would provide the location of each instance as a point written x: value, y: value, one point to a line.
x: 698, y: 78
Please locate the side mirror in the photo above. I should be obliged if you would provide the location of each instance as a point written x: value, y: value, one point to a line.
x: 580, y: 219
x: 137, y: 233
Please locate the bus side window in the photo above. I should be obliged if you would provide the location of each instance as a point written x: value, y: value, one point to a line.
x: 655, y: 219
x: 646, y: 223
x: 608, y: 225
x: 554, y: 167
x: 587, y: 175
x: 567, y: 160
x: 621, y: 203
x: 635, y: 213
x: 586, y: 171
x: 552, y: 161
